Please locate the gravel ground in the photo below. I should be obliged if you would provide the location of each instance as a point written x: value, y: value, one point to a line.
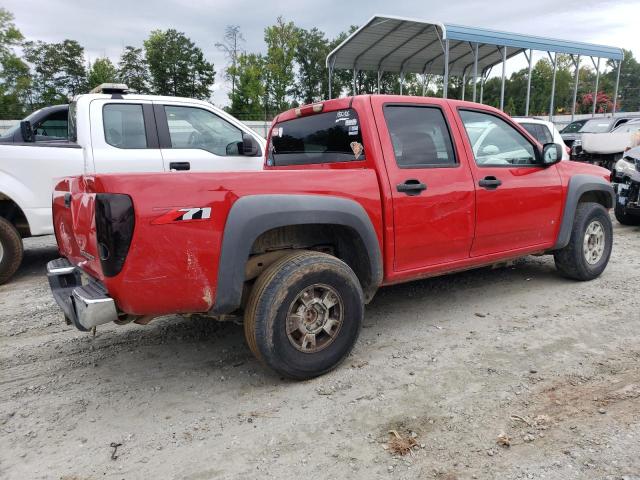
x: 548, y: 365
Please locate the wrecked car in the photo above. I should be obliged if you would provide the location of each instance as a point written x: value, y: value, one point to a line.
x: 626, y: 183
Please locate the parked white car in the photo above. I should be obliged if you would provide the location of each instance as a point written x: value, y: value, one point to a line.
x: 113, y: 131
x: 544, y: 132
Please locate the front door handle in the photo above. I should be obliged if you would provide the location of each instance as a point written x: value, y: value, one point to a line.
x: 411, y: 187
x: 179, y: 166
x: 490, y: 183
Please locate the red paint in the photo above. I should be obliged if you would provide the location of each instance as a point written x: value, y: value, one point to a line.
x: 172, y: 266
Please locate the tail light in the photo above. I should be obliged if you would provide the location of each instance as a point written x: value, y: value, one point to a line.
x: 115, y: 221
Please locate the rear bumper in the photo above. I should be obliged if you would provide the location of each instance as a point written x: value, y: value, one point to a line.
x: 84, y: 306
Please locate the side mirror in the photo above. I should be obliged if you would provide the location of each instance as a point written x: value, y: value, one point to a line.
x: 551, y: 153
x: 250, y: 147
x: 27, y: 131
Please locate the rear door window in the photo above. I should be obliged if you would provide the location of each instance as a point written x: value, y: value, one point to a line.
x: 321, y: 138
x: 124, y: 125
x: 420, y: 136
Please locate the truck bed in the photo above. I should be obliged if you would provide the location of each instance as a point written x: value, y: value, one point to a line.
x: 193, y: 263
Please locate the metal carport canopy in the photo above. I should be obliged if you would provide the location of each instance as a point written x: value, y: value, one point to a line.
x: 395, y: 44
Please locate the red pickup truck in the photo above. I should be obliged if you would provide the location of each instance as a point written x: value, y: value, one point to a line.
x: 357, y: 193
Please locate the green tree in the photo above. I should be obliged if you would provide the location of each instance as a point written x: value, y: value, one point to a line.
x: 177, y: 65
x: 248, y: 98
x: 102, y: 71
x: 231, y: 47
x: 133, y: 71
x: 282, y: 41
x: 15, y: 79
x: 629, y: 88
x: 10, y: 36
x: 310, y: 56
x: 58, y: 70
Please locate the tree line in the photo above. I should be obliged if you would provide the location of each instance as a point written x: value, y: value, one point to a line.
x: 290, y: 71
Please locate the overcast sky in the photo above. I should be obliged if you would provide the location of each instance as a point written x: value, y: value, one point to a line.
x: 104, y: 27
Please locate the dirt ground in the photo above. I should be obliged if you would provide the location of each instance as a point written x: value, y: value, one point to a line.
x: 458, y: 364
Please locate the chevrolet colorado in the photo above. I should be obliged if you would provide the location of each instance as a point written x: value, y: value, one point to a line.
x: 357, y: 193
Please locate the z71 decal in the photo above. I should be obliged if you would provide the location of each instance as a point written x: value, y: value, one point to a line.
x: 183, y: 215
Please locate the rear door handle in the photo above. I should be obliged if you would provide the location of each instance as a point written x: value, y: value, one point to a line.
x: 179, y: 166
x: 411, y: 187
x: 490, y: 183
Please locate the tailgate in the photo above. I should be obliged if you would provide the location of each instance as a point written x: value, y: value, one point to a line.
x: 74, y: 223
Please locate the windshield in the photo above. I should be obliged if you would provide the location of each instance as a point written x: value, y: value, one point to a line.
x: 628, y: 127
x: 573, y: 127
x: 596, y: 126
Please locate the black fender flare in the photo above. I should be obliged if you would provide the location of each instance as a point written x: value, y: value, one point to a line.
x: 253, y: 215
x: 578, y: 186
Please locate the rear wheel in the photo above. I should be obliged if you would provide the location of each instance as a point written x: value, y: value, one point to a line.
x: 587, y: 253
x: 10, y: 250
x: 304, y: 314
x: 625, y: 218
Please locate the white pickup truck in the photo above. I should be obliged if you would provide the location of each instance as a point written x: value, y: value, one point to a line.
x: 110, y: 132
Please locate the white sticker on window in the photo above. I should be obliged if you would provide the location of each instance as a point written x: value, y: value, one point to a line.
x: 351, y: 121
x: 342, y: 115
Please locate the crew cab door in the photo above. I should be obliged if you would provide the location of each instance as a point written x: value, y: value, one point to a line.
x: 431, y: 184
x: 124, y: 136
x: 195, y: 138
x: 518, y: 200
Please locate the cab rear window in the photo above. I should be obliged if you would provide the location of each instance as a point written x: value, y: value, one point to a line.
x: 320, y: 138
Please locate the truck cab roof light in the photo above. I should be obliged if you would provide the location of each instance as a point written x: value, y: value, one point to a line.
x: 110, y: 88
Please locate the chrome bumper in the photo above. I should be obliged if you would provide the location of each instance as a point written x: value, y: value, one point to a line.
x: 84, y: 306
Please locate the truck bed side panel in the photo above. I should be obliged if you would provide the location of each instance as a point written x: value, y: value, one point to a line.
x: 173, y: 264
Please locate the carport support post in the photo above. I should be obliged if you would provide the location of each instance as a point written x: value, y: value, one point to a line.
x: 401, y: 81
x: 445, y: 78
x: 554, y: 61
x: 354, y: 82
x: 595, y: 95
x: 475, y: 70
x: 615, y: 91
x: 504, y: 72
x: 575, y: 88
x: 530, y: 58
x: 464, y: 84
x: 379, y: 77
x: 332, y: 63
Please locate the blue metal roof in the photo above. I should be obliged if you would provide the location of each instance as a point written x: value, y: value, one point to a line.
x: 395, y: 44
x: 522, y: 41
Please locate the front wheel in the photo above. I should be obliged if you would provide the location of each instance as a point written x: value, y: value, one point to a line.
x: 11, y: 250
x: 587, y: 254
x: 304, y: 314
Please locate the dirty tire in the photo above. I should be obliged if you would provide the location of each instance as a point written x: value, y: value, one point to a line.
x: 571, y: 260
x: 10, y: 250
x: 277, y: 289
x: 624, y: 218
